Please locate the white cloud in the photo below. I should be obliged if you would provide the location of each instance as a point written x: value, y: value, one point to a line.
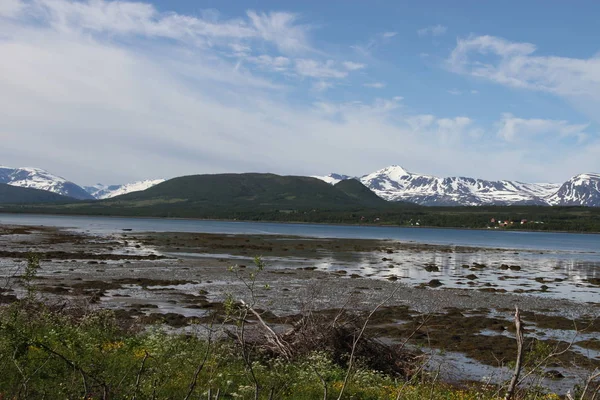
x: 376, y: 41
x: 281, y: 29
x: 375, y: 85
x: 11, y: 8
x: 81, y: 102
x: 143, y: 19
x: 322, y: 86
x: 455, y: 92
x: 317, y: 69
x: 268, y: 62
x: 240, y: 50
x: 515, y: 64
x: 434, y: 30
x: 512, y: 128
x: 353, y: 66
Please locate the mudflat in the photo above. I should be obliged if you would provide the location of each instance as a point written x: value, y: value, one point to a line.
x: 458, y: 300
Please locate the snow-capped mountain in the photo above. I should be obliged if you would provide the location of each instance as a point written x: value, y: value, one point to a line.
x: 394, y: 183
x: 36, y: 178
x: 583, y: 189
x: 333, y: 178
x: 100, y: 191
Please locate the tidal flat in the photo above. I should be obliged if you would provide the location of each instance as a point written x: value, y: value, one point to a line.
x: 451, y: 302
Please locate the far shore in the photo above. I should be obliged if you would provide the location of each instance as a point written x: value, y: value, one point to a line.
x: 301, y: 223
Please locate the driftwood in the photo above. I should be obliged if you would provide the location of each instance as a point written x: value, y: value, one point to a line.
x: 518, y: 365
x: 335, y: 336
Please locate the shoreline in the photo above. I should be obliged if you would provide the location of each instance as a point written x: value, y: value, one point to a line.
x: 117, y: 272
x: 300, y: 223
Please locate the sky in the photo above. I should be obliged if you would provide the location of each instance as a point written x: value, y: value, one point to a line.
x: 118, y: 91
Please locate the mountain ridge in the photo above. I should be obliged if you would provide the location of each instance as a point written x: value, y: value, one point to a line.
x: 101, y: 192
x: 395, y: 183
x: 392, y: 183
x: 22, y: 195
x: 37, y: 178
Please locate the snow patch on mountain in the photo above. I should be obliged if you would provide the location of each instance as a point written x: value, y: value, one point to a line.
x: 582, y: 189
x: 395, y: 183
x: 333, y: 178
x: 100, y: 191
x: 36, y: 178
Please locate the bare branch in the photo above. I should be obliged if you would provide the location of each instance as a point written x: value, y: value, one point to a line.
x: 519, y: 335
x: 357, y: 339
x: 139, y: 375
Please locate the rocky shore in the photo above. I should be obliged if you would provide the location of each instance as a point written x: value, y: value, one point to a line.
x: 443, y: 299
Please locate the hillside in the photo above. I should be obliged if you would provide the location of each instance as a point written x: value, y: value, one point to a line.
x: 356, y: 190
x: 19, y: 195
x: 250, y: 191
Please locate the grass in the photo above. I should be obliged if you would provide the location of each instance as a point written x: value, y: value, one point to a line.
x: 73, y: 354
x: 70, y: 351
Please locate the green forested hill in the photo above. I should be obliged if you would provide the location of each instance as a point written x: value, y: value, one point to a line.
x: 248, y: 192
x: 356, y: 190
x: 20, y: 195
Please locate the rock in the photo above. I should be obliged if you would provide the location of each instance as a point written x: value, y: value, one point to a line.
x: 432, y: 268
x: 435, y: 283
x: 554, y: 374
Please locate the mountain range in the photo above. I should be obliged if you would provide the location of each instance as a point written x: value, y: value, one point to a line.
x: 393, y: 183
x: 36, y: 178
x: 100, y: 191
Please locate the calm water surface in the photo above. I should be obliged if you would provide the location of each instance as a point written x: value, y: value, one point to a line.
x: 562, y: 242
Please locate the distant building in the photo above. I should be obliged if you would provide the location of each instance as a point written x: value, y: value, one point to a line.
x: 523, y: 221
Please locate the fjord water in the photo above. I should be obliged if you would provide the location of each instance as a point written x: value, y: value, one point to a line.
x: 587, y: 246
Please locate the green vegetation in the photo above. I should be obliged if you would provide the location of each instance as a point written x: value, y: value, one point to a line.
x: 18, y: 195
x: 269, y: 197
x: 54, y: 355
x: 72, y: 352
x: 355, y: 189
x: 246, y: 191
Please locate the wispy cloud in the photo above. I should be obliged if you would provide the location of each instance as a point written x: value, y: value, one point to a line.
x: 136, y: 18
x: 321, y: 86
x: 375, y: 85
x: 455, y: 92
x: 116, y: 91
x: 515, y: 64
x: 434, y: 30
x: 513, y: 129
x: 353, y: 66
x: 268, y: 62
x: 317, y: 69
x: 11, y: 8
x: 380, y: 39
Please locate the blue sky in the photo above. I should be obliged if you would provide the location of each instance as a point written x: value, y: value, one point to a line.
x: 114, y: 91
